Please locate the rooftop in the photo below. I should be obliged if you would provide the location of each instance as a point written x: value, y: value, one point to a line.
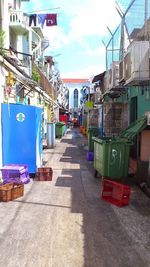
x: 74, y: 80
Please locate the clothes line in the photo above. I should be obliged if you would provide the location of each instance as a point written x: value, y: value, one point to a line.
x: 42, y: 10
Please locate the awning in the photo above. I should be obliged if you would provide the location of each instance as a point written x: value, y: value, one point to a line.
x: 98, y: 77
x: 134, y: 128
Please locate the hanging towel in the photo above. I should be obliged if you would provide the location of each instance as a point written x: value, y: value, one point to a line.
x: 51, y: 19
x: 32, y: 18
x: 41, y: 19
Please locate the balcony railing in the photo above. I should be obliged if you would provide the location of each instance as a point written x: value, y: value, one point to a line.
x: 18, y: 18
x: 21, y: 60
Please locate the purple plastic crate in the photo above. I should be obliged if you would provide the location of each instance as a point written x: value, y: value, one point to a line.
x: 15, y: 173
x: 90, y: 156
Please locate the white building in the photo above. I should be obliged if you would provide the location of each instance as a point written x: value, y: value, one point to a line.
x: 74, y: 85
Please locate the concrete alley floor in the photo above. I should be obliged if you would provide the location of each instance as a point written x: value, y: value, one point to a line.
x: 64, y: 223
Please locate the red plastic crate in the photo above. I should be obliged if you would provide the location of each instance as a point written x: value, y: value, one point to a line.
x: 44, y: 174
x: 64, y: 118
x: 115, y: 193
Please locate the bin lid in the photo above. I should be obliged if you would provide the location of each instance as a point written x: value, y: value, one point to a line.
x: 134, y: 128
x: 102, y: 140
x: 126, y: 135
x: 60, y: 123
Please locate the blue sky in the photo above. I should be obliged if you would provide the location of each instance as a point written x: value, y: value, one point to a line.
x: 77, y: 39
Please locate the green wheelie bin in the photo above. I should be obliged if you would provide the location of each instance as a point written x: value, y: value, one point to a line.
x: 111, y: 154
x: 60, y: 129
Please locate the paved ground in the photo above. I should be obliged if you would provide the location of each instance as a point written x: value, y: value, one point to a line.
x: 64, y: 223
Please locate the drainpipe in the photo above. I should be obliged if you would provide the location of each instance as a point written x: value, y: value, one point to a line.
x: 146, y: 17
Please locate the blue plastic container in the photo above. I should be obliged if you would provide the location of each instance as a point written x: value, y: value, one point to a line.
x: 90, y: 156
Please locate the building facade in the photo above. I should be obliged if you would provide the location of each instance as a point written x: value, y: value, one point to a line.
x: 74, y: 87
x: 27, y: 75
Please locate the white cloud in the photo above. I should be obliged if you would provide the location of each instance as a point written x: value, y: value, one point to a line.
x: 83, y: 73
x: 99, y: 51
x: 89, y: 19
x: 86, y: 18
x: 90, y: 51
x: 94, y: 18
x: 56, y: 36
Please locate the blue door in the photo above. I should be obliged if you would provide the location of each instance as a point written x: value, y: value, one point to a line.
x: 21, y: 135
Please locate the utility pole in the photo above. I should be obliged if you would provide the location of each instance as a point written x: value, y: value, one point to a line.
x: 145, y: 18
x: 112, y: 40
x: 112, y: 35
x: 106, y: 54
x: 123, y: 24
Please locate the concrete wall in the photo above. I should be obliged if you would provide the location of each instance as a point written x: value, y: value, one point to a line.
x: 143, y: 99
x: 116, y: 118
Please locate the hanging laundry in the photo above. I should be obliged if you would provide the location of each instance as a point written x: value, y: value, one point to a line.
x: 51, y: 19
x: 32, y: 18
x: 41, y: 19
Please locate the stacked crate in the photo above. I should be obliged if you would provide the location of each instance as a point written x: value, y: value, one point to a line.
x: 11, y: 191
x: 44, y: 174
x: 15, y: 173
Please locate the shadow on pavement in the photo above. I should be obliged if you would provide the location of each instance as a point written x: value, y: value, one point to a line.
x: 109, y: 232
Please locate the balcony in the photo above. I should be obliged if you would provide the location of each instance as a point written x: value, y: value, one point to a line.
x: 35, y: 25
x: 19, y: 22
x: 44, y: 82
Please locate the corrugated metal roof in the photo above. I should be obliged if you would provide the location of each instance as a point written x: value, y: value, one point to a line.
x: 98, y: 77
x: 134, y: 128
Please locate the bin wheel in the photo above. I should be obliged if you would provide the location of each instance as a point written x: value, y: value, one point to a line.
x: 97, y: 174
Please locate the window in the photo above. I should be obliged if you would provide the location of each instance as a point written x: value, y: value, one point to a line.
x: 76, y: 98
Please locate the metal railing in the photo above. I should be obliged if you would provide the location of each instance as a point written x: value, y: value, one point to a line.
x: 22, y: 60
x: 18, y: 17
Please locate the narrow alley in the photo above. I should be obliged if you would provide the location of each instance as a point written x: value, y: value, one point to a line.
x: 64, y: 222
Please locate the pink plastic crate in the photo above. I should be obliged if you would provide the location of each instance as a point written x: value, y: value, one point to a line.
x: 17, y: 173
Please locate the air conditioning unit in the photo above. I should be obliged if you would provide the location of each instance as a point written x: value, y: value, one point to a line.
x: 121, y: 71
x: 92, y: 89
x: 137, y: 63
x: 106, y: 81
x: 114, y: 75
x: 98, y: 89
x: 97, y: 97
